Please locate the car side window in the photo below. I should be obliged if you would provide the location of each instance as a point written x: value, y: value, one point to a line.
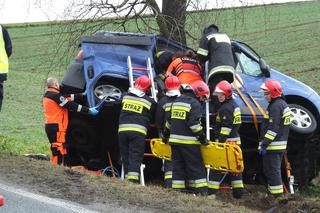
x: 247, y: 65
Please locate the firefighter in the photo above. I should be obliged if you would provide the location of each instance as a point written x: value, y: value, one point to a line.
x: 274, y: 135
x: 136, y: 114
x: 186, y: 67
x: 56, y: 108
x: 215, y: 46
x: 172, y: 85
x: 228, y: 121
x: 186, y: 135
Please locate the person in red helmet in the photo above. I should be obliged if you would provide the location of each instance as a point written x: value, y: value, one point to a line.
x: 186, y: 135
x: 137, y: 112
x: 186, y: 67
x: 172, y: 85
x: 227, y: 124
x: 274, y: 135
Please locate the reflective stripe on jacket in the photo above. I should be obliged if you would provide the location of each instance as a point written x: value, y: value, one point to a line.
x: 228, y: 122
x: 216, y: 47
x: 56, y: 108
x: 185, y: 120
x: 136, y: 113
x: 187, y: 69
x: 275, y: 126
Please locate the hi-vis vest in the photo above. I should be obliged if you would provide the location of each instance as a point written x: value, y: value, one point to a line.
x: 4, y: 62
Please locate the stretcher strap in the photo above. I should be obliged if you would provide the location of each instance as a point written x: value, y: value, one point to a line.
x: 253, y: 100
x: 254, y: 115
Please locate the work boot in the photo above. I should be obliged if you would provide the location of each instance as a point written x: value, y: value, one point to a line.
x: 237, y: 192
x: 212, y: 191
x: 134, y: 181
x: 281, y: 198
x: 167, y: 183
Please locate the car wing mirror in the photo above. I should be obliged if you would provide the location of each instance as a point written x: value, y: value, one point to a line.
x: 264, y: 68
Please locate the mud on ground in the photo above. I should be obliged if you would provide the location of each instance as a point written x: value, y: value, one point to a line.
x: 87, y: 189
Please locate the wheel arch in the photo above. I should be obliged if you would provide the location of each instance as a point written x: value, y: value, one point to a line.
x: 293, y: 99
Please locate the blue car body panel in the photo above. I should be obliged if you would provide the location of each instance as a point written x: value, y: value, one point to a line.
x: 110, y: 59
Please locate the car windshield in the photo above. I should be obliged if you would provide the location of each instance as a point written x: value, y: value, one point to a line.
x: 247, y: 65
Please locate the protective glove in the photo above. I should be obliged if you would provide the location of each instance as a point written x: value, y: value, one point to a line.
x: 165, y: 140
x: 93, y: 111
x: 262, y: 151
x: 203, y: 139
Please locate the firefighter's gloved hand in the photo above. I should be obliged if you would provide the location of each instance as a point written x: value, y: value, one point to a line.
x: 165, y: 140
x: 262, y: 151
x: 93, y: 111
x: 203, y: 139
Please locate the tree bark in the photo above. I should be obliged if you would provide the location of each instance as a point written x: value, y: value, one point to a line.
x: 174, y: 15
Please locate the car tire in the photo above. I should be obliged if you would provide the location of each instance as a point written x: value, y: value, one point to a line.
x: 81, y: 136
x: 303, y: 121
x: 106, y: 87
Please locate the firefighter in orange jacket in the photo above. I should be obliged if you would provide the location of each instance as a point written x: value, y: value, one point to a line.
x: 226, y: 129
x: 56, y: 108
x: 186, y: 68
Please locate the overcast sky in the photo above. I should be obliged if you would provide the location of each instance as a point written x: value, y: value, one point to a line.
x: 24, y: 11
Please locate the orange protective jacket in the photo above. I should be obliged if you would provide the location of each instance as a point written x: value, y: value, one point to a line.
x: 187, y: 69
x: 56, y: 108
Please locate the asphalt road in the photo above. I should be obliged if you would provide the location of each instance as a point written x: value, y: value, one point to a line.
x: 21, y: 201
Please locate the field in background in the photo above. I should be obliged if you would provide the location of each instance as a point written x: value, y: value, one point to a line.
x: 287, y: 36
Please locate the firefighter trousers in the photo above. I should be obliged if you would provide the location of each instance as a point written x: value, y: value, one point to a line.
x: 272, y: 171
x: 187, y: 164
x: 167, y: 166
x: 57, y: 140
x: 132, y: 147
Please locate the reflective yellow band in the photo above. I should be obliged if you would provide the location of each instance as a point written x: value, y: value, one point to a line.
x: 224, y: 132
x: 132, y: 177
x: 137, y: 102
x: 238, y: 185
x: 187, y: 109
x: 122, y: 129
x: 168, y: 177
x: 182, y: 141
x: 202, y: 52
x: 271, y: 137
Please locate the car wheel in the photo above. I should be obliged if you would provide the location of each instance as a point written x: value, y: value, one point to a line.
x: 303, y: 121
x: 107, y: 88
x: 81, y: 136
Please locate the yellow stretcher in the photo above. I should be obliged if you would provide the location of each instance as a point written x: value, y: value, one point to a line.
x: 218, y: 156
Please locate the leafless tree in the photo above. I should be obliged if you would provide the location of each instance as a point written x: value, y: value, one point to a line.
x: 179, y: 20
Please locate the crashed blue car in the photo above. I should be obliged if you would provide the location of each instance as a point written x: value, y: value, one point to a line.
x: 104, y: 72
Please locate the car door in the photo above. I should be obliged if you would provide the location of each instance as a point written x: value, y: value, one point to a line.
x: 249, y: 78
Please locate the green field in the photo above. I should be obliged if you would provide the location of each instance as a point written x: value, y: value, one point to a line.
x: 287, y: 36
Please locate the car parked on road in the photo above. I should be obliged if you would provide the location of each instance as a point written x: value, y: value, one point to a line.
x: 104, y: 72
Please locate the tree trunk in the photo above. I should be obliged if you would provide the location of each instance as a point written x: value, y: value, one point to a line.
x: 174, y: 15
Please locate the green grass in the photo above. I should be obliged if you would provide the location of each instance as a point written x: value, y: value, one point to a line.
x: 286, y: 35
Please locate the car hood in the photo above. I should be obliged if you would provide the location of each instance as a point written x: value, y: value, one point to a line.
x: 292, y: 86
